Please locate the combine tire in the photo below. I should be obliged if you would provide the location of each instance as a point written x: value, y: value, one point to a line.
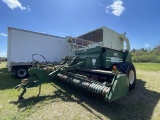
x: 128, y: 69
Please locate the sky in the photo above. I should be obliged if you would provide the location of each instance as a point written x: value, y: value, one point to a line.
x: 140, y: 19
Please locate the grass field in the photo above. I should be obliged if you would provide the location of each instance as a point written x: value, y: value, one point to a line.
x: 148, y: 66
x: 61, y: 102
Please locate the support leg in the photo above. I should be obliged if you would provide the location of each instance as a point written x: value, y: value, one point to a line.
x: 39, y: 90
x: 21, y: 95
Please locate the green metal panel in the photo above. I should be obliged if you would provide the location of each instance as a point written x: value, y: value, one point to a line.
x: 119, y: 88
x: 89, y: 56
x: 110, y: 54
x: 97, y: 49
x: 103, y: 57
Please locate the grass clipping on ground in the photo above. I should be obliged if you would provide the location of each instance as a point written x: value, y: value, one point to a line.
x: 62, y: 102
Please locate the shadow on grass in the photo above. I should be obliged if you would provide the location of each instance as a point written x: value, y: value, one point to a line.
x: 59, y: 93
x: 137, y: 105
x: 7, y: 81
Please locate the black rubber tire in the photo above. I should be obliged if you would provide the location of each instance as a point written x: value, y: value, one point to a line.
x: 21, y: 72
x: 128, y: 69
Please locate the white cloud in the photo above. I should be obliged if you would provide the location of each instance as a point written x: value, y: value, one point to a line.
x: 3, y: 34
x: 100, y: 4
x: 147, y: 45
x: 28, y: 7
x: 115, y: 8
x: 107, y: 9
x: 14, y: 4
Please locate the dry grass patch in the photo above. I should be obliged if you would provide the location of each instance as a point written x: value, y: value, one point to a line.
x: 60, y: 101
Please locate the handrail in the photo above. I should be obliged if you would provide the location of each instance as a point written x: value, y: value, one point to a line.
x: 78, y: 43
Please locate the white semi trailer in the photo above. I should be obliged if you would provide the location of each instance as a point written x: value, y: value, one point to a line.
x: 22, y: 44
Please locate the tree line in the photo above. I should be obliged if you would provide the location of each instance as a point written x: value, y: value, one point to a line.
x: 3, y: 59
x: 146, y: 55
x: 138, y: 55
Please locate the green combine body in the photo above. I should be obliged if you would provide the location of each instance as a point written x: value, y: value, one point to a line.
x: 99, y: 69
x: 101, y: 58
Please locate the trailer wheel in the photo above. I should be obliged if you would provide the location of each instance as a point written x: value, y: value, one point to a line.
x: 21, y: 72
x: 128, y: 69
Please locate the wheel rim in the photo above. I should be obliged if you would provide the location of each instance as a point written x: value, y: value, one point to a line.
x: 21, y: 73
x: 131, y: 77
